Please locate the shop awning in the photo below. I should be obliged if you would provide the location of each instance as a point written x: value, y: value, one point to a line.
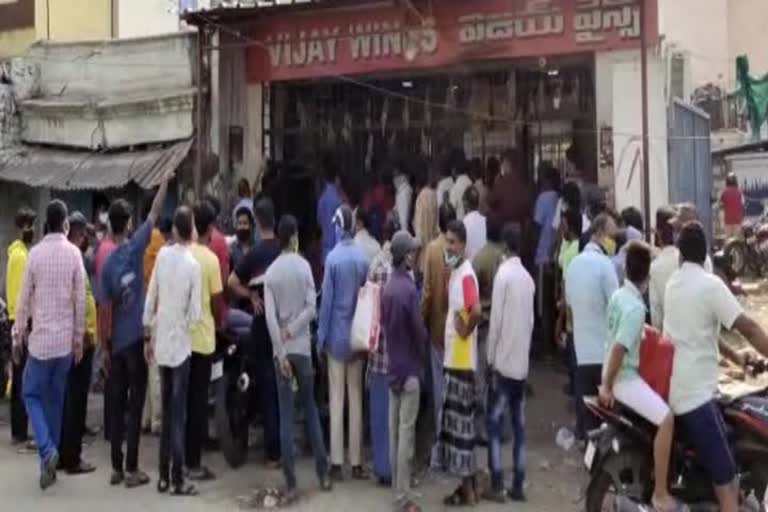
x: 88, y: 170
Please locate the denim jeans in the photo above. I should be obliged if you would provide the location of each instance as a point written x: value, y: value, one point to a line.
x: 174, y: 383
x: 378, y: 397
x: 305, y: 378
x: 506, y: 393
x: 45, y: 384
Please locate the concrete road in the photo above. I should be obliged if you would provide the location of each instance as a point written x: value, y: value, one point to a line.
x: 555, y: 476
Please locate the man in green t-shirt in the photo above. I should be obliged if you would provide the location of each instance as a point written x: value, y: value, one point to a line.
x: 621, y: 377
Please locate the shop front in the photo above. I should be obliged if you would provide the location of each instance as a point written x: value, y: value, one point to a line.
x: 376, y: 82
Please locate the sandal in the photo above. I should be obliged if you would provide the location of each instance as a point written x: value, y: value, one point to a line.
x: 458, y: 499
x: 136, y: 479
x: 163, y: 485
x: 676, y: 506
x: 184, y: 490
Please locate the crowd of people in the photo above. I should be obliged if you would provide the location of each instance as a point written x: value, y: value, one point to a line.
x: 478, y: 271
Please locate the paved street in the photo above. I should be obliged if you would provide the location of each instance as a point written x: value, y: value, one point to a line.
x: 555, y: 476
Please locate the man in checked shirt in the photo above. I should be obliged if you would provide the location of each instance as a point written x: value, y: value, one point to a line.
x: 53, y: 296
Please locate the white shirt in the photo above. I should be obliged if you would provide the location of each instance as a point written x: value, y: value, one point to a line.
x: 589, y: 284
x: 443, y: 186
x: 698, y: 303
x: 511, y: 324
x: 367, y: 243
x: 173, y: 303
x: 460, y: 354
x: 403, y: 200
x: 457, y: 194
x: 662, y: 267
x: 474, y: 222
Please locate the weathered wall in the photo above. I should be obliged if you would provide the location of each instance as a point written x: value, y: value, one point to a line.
x: 111, y: 94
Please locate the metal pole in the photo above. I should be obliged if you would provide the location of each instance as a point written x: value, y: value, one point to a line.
x: 197, y: 173
x: 644, y: 102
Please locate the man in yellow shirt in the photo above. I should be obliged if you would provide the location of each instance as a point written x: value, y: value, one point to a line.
x: 79, y: 381
x: 203, y: 334
x: 18, y: 252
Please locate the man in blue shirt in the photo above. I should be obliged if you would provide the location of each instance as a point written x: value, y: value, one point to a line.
x: 589, y: 284
x: 329, y: 202
x: 544, y: 212
x: 346, y: 270
x: 122, y: 285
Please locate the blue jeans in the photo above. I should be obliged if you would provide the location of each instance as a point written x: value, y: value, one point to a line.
x: 503, y: 393
x: 378, y: 395
x: 174, y: 384
x: 45, y: 384
x: 305, y: 378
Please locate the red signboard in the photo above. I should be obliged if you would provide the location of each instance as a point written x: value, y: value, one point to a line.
x: 332, y: 42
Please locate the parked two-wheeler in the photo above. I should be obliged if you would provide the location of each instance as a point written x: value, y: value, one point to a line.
x: 619, y: 457
x: 749, y: 252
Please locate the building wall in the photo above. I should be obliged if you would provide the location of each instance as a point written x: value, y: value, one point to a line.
x: 17, y: 27
x: 73, y: 20
x: 748, y: 34
x: 137, y: 18
x: 714, y: 33
x: 617, y: 81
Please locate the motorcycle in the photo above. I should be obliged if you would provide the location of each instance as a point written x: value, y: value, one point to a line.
x: 750, y: 252
x: 234, y: 392
x: 619, y: 458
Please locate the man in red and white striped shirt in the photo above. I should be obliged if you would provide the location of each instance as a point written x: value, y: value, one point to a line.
x: 53, y: 297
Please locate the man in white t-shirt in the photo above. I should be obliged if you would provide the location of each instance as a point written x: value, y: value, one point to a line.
x: 173, y: 305
x: 474, y: 222
x: 697, y: 304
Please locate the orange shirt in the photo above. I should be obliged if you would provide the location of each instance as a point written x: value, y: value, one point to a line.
x: 155, y: 244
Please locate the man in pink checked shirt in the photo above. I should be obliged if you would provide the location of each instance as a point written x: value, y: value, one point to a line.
x: 53, y: 297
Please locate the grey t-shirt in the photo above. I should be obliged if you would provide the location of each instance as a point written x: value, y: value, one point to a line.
x: 289, y: 303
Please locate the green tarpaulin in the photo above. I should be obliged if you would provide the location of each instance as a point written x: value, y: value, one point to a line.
x: 755, y: 94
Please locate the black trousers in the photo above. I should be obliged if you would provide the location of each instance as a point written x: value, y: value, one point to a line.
x: 174, y: 384
x: 128, y: 386
x: 265, y: 391
x: 546, y: 310
x: 75, y: 411
x: 197, y: 407
x: 588, y: 378
x: 19, y: 420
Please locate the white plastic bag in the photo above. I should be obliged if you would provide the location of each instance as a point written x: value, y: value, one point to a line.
x: 364, y: 336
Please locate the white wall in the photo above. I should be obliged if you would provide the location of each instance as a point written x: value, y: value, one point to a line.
x: 136, y: 18
x: 617, y: 82
x: 714, y: 33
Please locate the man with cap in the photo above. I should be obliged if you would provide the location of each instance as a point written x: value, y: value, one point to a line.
x: 79, y: 380
x: 346, y: 270
x: 407, y: 345
x: 669, y: 222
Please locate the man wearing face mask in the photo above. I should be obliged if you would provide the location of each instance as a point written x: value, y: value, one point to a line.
x: 589, y: 284
x: 346, y: 270
x: 289, y: 307
x: 621, y: 380
x: 407, y: 345
x: 18, y: 253
x: 454, y: 452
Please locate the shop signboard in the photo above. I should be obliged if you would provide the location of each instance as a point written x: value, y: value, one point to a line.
x: 382, y: 38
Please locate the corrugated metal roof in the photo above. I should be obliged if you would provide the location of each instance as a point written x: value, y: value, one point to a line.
x: 82, y: 170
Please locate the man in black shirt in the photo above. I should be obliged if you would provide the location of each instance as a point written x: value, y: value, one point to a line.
x: 246, y: 282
